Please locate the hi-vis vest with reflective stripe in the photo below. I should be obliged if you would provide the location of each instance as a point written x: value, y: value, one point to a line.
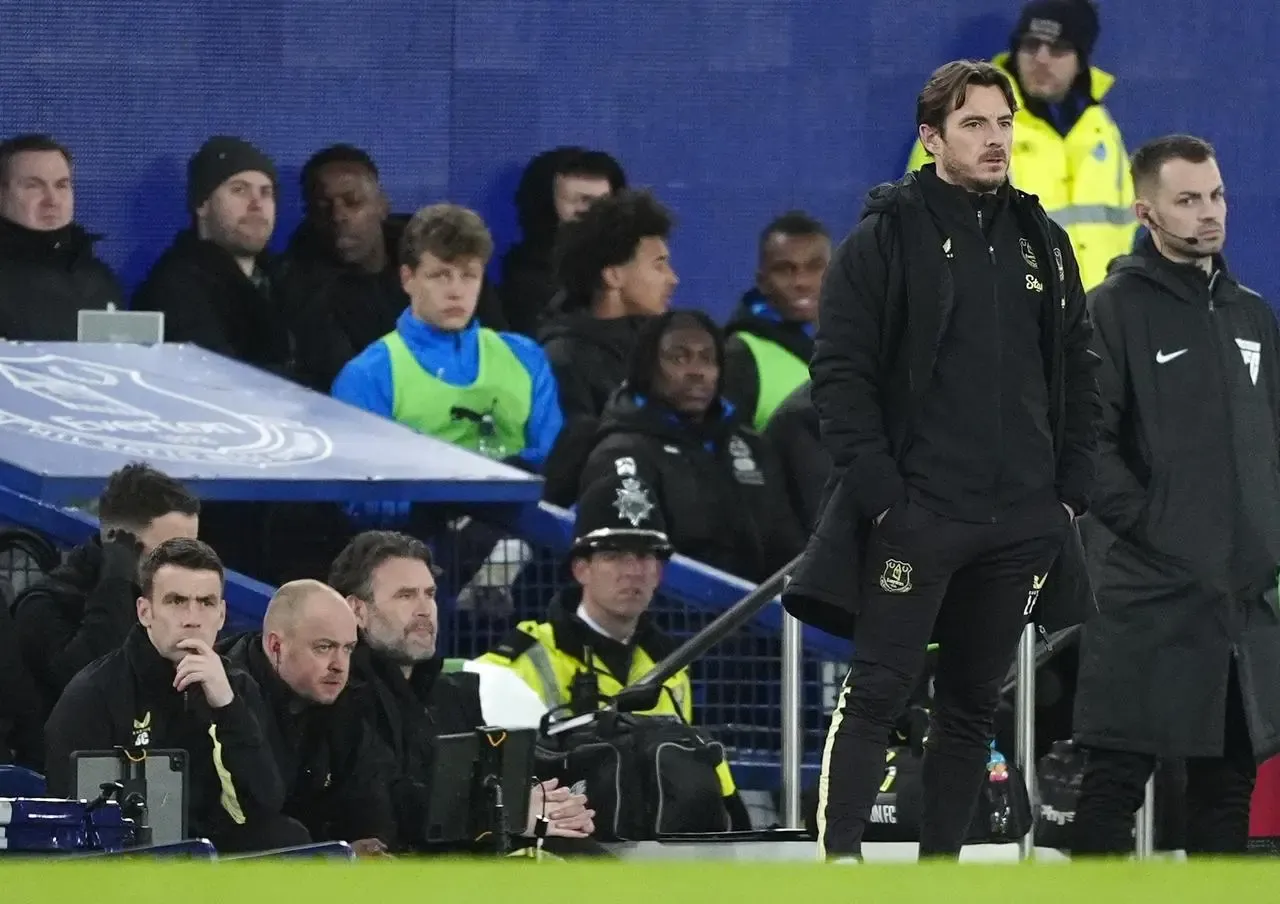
x: 550, y: 672
x: 779, y: 372
x: 1082, y: 180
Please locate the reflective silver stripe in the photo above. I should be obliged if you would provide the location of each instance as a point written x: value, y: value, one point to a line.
x: 541, y: 660
x: 1091, y: 215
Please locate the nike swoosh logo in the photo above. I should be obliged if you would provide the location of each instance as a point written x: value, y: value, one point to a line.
x: 1162, y: 358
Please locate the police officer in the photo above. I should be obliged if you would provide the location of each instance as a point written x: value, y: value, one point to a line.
x: 1183, y: 657
x: 955, y: 390
x: 600, y: 637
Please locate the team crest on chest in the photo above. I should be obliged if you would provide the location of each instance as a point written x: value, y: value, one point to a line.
x: 1028, y: 254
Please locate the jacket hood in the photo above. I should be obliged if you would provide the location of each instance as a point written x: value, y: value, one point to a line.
x: 66, y: 244
x: 1186, y: 282
x: 628, y: 412
x: 189, y: 247
x: 885, y: 196
x: 535, y: 200
x: 617, y: 335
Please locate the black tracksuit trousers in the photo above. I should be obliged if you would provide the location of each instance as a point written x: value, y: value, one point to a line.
x: 969, y: 586
x: 1219, y: 793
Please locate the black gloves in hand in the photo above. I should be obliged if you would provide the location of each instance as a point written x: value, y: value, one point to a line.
x: 121, y: 549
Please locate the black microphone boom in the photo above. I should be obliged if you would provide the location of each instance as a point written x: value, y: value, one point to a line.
x: 726, y: 623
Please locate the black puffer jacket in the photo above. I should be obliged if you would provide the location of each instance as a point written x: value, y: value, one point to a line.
x: 336, y: 773
x: 47, y: 278
x: 83, y: 609
x: 209, y: 301
x: 719, y: 485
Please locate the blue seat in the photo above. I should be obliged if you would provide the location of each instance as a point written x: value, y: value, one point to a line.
x: 19, y: 781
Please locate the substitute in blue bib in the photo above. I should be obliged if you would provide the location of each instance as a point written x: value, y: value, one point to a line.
x: 439, y: 371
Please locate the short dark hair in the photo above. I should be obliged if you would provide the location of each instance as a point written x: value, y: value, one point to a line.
x: 137, y: 494
x: 1152, y: 156
x: 949, y: 85
x: 447, y: 231
x: 351, y: 573
x: 335, y: 153
x: 792, y: 223
x: 181, y: 552
x: 22, y: 144
x: 643, y: 364
x: 606, y: 235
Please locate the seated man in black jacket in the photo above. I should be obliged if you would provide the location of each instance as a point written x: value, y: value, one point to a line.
x: 21, y: 712
x: 167, y: 688
x: 389, y: 581
x: 88, y: 605
x: 718, y: 483
x: 49, y: 272
x: 615, y: 266
x: 215, y: 283
x: 340, y: 278
x: 336, y: 775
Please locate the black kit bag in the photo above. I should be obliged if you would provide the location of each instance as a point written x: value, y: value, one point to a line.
x: 645, y: 776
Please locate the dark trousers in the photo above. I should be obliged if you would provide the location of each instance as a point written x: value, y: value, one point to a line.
x: 972, y: 588
x: 267, y: 834
x: 1219, y: 793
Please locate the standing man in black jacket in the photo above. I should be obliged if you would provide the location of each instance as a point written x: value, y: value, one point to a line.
x: 954, y: 383
x: 1183, y: 657
x: 167, y: 688
x: 337, y: 776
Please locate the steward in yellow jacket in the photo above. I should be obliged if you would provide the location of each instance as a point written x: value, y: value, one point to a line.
x: 1067, y: 150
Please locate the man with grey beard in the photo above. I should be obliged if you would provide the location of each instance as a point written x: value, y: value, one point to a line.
x: 215, y: 282
x: 410, y: 697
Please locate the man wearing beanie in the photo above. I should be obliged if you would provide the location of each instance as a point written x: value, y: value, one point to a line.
x: 214, y: 283
x: 48, y: 269
x: 1067, y: 149
x: 599, y: 636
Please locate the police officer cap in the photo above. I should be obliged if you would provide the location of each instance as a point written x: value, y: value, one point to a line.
x: 619, y: 512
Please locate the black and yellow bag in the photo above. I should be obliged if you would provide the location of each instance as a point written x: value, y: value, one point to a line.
x: 645, y: 776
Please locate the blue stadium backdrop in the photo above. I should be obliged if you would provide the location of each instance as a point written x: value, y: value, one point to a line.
x: 732, y: 110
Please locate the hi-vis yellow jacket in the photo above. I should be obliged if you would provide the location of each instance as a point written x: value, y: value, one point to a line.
x: 1082, y: 180
x: 549, y: 655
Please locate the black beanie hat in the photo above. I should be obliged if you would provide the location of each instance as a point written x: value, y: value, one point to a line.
x: 618, y: 512
x: 218, y: 159
x: 1073, y: 21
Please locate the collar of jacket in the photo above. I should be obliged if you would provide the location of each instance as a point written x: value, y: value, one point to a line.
x: 377, y: 670
x: 574, y: 636
x: 283, y: 700
x: 213, y: 258
x: 152, y: 669
x: 755, y: 315
x: 927, y: 279
x: 64, y: 246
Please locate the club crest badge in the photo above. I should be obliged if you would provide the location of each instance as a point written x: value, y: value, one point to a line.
x: 896, y: 577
